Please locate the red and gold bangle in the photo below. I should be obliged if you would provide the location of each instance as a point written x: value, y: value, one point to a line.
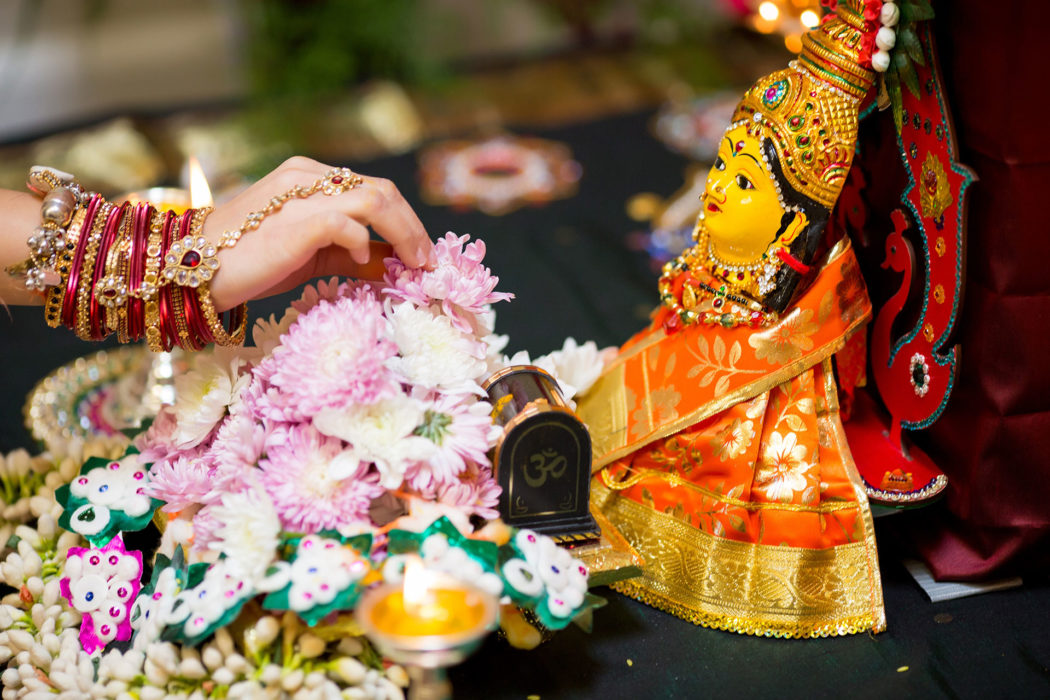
x: 194, y: 313
x: 96, y: 311
x: 123, y: 271
x: 88, y: 227
x: 110, y: 295
x: 238, y: 319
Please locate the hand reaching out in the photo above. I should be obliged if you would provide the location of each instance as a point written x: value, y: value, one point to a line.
x: 311, y: 237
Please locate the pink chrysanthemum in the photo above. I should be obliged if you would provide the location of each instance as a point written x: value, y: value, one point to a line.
x: 297, y: 476
x: 266, y: 403
x: 205, y: 528
x: 459, y: 282
x: 462, y: 431
x: 180, y: 482
x: 235, y: 452
x: 476, y: 491
x: 323, y: 290
x: 333, y: 357
x: 157, y: 442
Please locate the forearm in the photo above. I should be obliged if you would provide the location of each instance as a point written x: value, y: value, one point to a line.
x: 19, y: 215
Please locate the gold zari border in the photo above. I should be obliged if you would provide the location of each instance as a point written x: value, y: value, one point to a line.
x: 743, y: 587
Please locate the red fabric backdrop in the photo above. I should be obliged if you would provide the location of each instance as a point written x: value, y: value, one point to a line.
x: 993, y: 440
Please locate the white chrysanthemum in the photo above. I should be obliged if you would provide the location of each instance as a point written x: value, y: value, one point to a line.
x: 203, y: 395
x: 433, y: 353
x: 577, y: 365
x: 494, y: 346
x: 248, y: 535
x: 382, y: 433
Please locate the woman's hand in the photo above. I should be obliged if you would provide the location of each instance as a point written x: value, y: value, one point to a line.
x: 312, y: 237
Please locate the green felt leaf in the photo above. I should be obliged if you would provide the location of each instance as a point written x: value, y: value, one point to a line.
x: 906, y: 72
x: 909, y: 40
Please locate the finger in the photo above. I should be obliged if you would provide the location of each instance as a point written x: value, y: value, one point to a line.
x: 286, y: 253
x: 379, y: 204
x: 335, y: 260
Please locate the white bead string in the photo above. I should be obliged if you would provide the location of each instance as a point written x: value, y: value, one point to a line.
x: 886, y: 38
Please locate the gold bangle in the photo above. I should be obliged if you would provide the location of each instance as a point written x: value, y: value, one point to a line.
x: 178, y: 310
x: 123, y: 271
x: 150, y: 287
x: 57, y: 294
x: 218, y: 331
x: 239, y: 317
x: 87, y: 273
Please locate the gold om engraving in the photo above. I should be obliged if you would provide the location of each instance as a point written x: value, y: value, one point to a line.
x: 543, y: 465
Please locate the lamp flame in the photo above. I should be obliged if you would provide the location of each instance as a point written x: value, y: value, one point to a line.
x: 200, y: 192
x: 416, y: 588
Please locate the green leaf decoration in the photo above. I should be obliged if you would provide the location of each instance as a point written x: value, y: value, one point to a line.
x: 909, y: 40
x: 906, y: 72
x: 408, y: 542
x: 893, y: 88
x: 95, y: 521
x: 915, y: 11
x: 905, y: 55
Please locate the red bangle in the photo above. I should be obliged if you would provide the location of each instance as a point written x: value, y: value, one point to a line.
x: 142, y: 216
x: 69, y: 301
x: 169, y: 336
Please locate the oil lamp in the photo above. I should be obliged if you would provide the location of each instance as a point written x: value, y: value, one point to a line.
x: 429, y: 622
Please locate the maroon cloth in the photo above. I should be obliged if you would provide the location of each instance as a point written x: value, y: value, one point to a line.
x: 993, y: 440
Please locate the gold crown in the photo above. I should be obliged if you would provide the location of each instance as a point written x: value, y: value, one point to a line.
x: 810, y: 110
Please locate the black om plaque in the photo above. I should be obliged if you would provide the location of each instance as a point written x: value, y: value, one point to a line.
x: 543, y: 459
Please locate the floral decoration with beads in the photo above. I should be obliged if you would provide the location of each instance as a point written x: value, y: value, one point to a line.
x: 101, y: 584
x: 107, y: 497
x: 213, y: 602
x: 543, y: 577
x: 325, y: 572
x: 155, y: 601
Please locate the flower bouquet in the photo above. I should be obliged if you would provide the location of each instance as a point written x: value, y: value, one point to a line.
x: 287, y: 479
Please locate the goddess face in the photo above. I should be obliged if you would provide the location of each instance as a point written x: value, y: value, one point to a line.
x: 741, y: 209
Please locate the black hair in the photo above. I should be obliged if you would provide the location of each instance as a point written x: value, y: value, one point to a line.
x: 804, y: 247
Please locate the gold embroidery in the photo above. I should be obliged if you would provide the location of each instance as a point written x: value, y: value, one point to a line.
x: 733, y: 440
x: 610, y: 392
x: 786, y: 341
x: 748, y: 588
x: 721, y: 363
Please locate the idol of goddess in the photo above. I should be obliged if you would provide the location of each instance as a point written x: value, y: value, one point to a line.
x: 719, y: 451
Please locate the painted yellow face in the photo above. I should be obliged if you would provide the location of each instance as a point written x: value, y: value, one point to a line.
x: 741, y: 209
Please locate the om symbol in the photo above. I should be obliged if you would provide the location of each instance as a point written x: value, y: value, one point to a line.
x: 544, y: 464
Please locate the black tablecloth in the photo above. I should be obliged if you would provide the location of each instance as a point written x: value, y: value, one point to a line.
x: 573, y: 275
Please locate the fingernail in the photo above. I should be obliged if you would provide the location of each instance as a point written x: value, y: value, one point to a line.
x: 423, y: 256
x: 432, y: 258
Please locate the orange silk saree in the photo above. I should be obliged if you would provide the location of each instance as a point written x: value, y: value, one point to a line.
x: 720, y: 455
